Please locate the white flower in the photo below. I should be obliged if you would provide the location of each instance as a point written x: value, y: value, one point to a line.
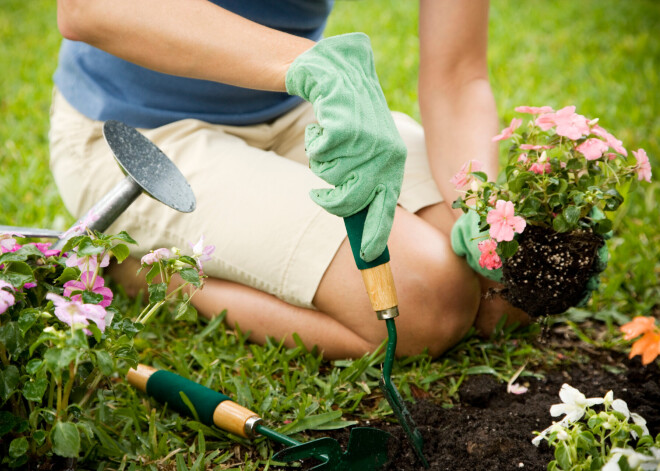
x: 574, y: 404
x: 635, y: 460
x: 558, y: 427
x: 619, y: 405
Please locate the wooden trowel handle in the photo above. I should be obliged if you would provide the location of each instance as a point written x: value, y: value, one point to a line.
x: 377, y: 274
x: 212, y: 407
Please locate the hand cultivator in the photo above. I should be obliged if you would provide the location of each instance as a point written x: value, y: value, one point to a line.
x: 367, y: 447
x: 379, y: 282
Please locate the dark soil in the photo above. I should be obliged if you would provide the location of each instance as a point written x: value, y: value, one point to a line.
x: 491, y: 429
x: 549, y: 272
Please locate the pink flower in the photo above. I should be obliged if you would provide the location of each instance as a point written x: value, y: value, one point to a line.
x: 540, y: 168
x: 463, y: 177
x: 85, y: 284
x: 489, y: 258
x: 29, y: 285
x: 570, y: 124
x: 201, y: 252
x: 87, y: 263
x: 508, y: 131
x: 44, y: 247
x: 523, y: 159
x: 612, y: 141
x: 592, y: 148
x: 7, y: 241
x: 534, y: 147
x: 534, y: 109
x: 503, y: 222
x: 76, y: 313
x: 7, y: 299
x: 643, y: 165
x: 80, y: 226
x: 155, y: 256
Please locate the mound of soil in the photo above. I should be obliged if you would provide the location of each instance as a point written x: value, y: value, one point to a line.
x: 491, y: 429
x: 549, y: 272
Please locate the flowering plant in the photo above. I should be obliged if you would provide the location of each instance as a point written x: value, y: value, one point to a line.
x: 61, y: 334
x: 586, y: 438
x: 648, y: 346
x: 562, y: 174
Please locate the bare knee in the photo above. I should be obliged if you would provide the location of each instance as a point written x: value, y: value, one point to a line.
x: 439, y: 298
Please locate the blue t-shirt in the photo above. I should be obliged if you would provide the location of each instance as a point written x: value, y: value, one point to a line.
x: 102, y: 86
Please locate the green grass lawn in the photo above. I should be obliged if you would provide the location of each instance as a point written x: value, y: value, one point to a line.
x: 601, y: 55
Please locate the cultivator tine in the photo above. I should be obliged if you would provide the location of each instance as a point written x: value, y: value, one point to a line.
x: 367, y: 451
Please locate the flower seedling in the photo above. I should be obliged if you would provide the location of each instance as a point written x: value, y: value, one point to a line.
x: 563, y: 173
x: 587, y: 438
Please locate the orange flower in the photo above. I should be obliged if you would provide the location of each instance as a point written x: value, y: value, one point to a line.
x: 638, y: 326
x: 648, y: 346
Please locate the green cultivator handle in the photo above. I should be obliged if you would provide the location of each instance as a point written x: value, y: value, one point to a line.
x: 379, y: 282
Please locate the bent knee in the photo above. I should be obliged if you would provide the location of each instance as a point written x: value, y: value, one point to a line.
x: 438, y: 302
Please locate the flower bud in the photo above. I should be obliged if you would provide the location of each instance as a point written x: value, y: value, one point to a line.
x: 176, y: 251
x: 562, y: 435
x: 544, y: 156
x: 475, y: 185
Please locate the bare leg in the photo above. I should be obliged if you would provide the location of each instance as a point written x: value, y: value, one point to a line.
x: 491, y: 308
x: 438, y: 299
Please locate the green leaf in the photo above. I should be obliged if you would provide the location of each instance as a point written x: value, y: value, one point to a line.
x: 153, y: 272
x: 481, y: 370
x: 563, y: 456
x: 12, y: 338
x: 34, y: 390
x: 27, y: 318
x: 186, y: 312
x: 104, y: 362
x: 603, y: 227
x: 18, y: 273
x: 123, y: 235
x: 120, y: 251
x: 157, y: 292
x: 66, y: 439
x: 458, y: 203
x: 18, y: 447
x: 507, y: 248
x: 190, y: 275
x: 559, y: 224
x: 480, y: 176
x: 33, y: 366
x: 68, y: 274
x: 89, y: 297
x: 39, y: 436
x: 9, y: 378
x: 88, y: 248
x: 58, y: 359
x: 571, y: 215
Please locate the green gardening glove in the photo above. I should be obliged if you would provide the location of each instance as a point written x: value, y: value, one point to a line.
x: 355, y: 146
x: 465, y: 237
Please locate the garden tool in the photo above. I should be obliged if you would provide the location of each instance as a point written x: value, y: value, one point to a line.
x: 379, y: 282
x: 367, y: 447
x: 147, y: 170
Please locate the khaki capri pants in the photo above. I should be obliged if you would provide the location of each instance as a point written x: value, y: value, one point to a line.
x: 251, y: 184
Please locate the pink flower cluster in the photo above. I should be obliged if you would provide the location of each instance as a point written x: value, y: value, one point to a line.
x: 489, y: 258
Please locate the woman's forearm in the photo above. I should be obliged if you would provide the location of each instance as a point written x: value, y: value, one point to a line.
x: 456, y: 102
x: 195, y: 39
